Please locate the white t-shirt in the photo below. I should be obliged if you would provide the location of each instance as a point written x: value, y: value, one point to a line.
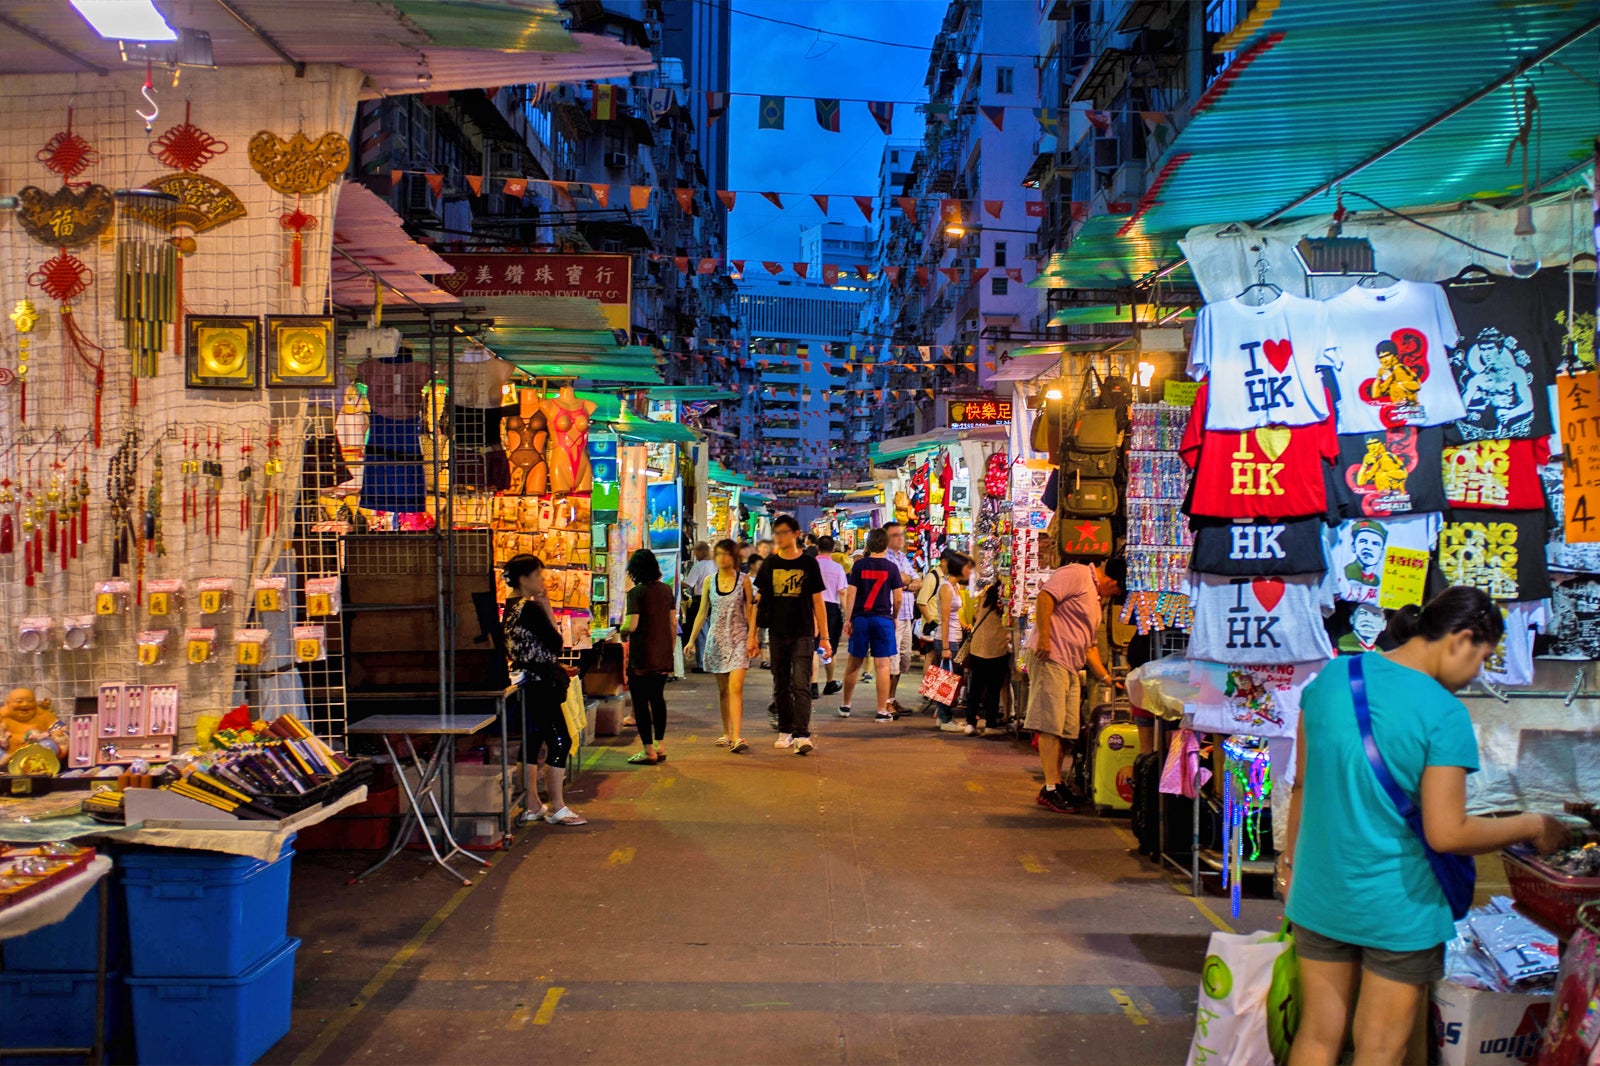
x: 1262, y: 701
x: 1259, y: 621
x: 1262, y: 362
x: 834, y: 579
x: 1357, y: 550
x: 908, y: 574
x: 1393, y: 352
x: 702, y: 569
x: 1512, y: 661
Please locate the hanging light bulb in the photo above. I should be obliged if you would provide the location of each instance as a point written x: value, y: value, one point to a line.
x: 1523, y: 259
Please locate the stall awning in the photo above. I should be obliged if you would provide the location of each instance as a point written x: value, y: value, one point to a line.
x: 373, y: 241
x: 888, y: 451
x: 586, y: 355
x: 1112, y: 251
x: 632, y: 429
x: 723, y: 476
x: 1117, y: 314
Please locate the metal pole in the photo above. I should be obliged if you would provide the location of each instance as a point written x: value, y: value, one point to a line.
x: 441, y: 605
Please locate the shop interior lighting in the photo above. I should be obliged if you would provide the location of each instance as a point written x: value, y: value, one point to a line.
x: 1147, y: 371
x: 1055, y: 391
x: 1523, y: 259
x: 125, y: 20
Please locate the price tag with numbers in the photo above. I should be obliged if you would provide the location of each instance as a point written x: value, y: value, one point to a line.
x: 1578, y: 399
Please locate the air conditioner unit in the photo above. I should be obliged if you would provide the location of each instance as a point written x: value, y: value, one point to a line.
x: 616, y: 161
x: 1153, y: 339
x: 506, y: 162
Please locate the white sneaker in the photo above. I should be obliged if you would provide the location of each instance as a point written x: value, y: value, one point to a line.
x: 971, y: 730
x: 722, y: 742
x: 803, y: 746
x: 953, y: 727
x: 785, y: 740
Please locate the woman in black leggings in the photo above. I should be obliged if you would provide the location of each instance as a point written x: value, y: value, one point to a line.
x: 988, y: 661
x: 650, y: 624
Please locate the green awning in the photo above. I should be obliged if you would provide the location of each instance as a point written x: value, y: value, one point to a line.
x: 1120, y: 314
x: 632, y: 429
x: 1103, y: 256
x: 899, y: 447
x: 480, y: 24
x: 723, y: 476
x: 586, y: 355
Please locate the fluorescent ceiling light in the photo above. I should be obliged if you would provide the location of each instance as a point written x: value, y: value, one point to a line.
x: 125, y: 20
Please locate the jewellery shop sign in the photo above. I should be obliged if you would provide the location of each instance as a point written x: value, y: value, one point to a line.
x: 607, y: 279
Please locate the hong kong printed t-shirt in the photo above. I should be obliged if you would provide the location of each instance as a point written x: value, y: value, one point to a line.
x: 1503, y: 362
x: 1270, y: 472
x: 1257, y: 549
x: 1390, y: 472
x: 1393, y: 357
x: 1263, y: 362
x: 1496, y: 474
x: 875, y: 581
x: 1500, y: 552
x: 1358, y: 548
x: 1259, y: 621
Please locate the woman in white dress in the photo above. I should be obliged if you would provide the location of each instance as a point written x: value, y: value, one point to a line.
x: 728, y: 615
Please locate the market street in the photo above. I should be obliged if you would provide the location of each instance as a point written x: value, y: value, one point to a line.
x: 895, y: 897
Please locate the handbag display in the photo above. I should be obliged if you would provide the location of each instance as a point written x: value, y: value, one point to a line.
x: 1096, y: 431
x: 1457, y: 874
x: 1088, y: 498
x: 1085, y: 539
x: 1075, y: 463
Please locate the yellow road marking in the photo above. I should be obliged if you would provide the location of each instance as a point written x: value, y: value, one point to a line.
x: 1031, y: 864
x: 973, y: 786
x: 593, y: 757
x: 621, y: 857
x: 1129, y: 1007
x: 1210, y: 915
x: 547, y: 1009
x: 691, y: 738
x: 1126, y: 837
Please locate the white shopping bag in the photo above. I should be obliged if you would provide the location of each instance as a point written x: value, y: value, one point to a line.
x: 1231, y: 1027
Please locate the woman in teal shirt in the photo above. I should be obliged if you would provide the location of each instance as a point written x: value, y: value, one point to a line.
x: 1367, y: 908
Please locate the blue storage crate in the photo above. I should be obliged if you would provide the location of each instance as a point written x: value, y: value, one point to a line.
x: 218, y: 1021
x: 70, y: 946
x: 201, y: 913
x: 57, y: 1010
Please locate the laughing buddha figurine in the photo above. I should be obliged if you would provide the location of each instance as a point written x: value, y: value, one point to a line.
x: 25, y: 721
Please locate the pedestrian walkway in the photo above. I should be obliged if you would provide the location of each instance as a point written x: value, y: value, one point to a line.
x: 895, y: 897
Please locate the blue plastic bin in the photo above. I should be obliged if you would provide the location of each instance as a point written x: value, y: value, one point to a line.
x: 201, y: 913
x: 218, y: 1021
x: 57, y: 1010
x: 70, y: 946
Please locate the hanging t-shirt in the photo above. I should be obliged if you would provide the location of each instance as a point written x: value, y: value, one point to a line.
x: 1259, y: 621
x: 1359, y: 628
x: 1512, y: 660
x: 1575, y: 620
x: 1503, y: 362
x: 1263, y: 361
x: 1496, y: 474
x: 1260, y: 701
x: 1271, y: 472
x: 1357, y: 549
x: 1582, y: 557
x: 1393, y: 357
x: 1257, y: 549
x: 1569, y: 298
x: 1501, y: 553
x: 1390, y: 472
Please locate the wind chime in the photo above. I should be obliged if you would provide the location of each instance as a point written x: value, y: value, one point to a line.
x: 1246, y: 793
x: 147, y: 277
x: 298, y: 167
x: 122, y: 494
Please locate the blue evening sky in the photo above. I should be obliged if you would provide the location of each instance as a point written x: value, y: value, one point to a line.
x: 803, y: 158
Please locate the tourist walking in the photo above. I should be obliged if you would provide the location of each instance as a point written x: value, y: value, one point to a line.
x: 911, y: 582
x: 1369, y: 911
x: 533, y: 644
x: 988, y: 665
x: 1066, y: 621
x: 873, y: 599
x: 951, y: 631
x: 650, y: 624
x: 727, y: 624
x: 834, y: 581
x: 790, y: 607
x: 694, y: 585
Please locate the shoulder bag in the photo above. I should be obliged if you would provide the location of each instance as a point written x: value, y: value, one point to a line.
x: 1457, y: 875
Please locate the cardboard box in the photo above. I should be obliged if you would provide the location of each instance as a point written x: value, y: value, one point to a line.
x: 477, y: 787
x: 1476, y: 1028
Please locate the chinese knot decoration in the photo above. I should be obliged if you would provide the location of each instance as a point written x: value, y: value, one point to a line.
x: 298, y: 167
x: 186, y: 146
x: 75, y: 214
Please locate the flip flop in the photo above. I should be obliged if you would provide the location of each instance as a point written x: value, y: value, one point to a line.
x: 739, y: 747
x: 643, y: 758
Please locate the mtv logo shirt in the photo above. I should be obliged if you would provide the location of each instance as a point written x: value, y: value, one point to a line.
x: 1393, y: 357
x: 1357, y: 549
x: 1263, y: 362
x: 1257, y: 549
x: 1391, y: 472
x: 1496, y: 474
x: 1259, y: 621
x: 1268, y: 472
x: 1504, y: 359
x: 1500, y: 552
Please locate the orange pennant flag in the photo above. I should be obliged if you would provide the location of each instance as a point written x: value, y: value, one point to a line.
x: 908, y: 204
x: 639, y: 197
x: 802, y: 268
x: 682, y: 262
x: 727, y: 196
x: 708, y: 266
x: 475, y: 183
x: 862, y: 270
x: 685, y: 200
x: 395, y: 176
x: 865, y: 204
x: 953, y: 273
x: 516, y: 188
x: 772, y: 268
x: 773, y: 197
x: 971, y: 366
x: 978, y: 273
x: 602, y: 194
x: 994, y: 207
x: 436, y: 183
x: 822, y: 201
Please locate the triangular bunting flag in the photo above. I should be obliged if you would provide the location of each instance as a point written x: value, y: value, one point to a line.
x: 978, y: 274
x: 639, y: 197
x: 565, y: 190
x: 952, y: 210
x: 862, y: 270
x: 1034, y: 208
x: 435, y: 183
x: 822, y: 202
x: 682, y: 262
x: 516, y: 188
x: 603, y: 105
x: 1015, y: 274
x: 994, y: 207
x: 830, y: 273
x: 827, y: 114
x: 716, y: 107
x: 801, y: 268
x: 997, y: 115
x: 395, y: 176
x: 923, y: 278
x: 937, y: 112
x: 769, y: 113
x: 727, y: 198
x: 772, y: 268
x: 601, y: 194
x: 708, y: 265
x: 894, y: 274
x: 774, y: 199
x: 953, y: 273
x: 1100, y: 120
x: 661, y: 101
x: 738, y: 267
x: 1047, y: 119
x: 908, y: 205
x: 685, y: 200
x: 865, y: 204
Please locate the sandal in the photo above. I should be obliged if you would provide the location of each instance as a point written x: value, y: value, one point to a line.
x: 739, y: 747
x: 566, y: 816
x: 661, y: 756
x: 643, y: 758
x: 722, y: 742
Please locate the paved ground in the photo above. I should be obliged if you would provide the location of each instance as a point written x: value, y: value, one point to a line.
x: 895, y: 897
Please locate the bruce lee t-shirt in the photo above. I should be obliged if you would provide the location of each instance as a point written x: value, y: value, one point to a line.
x: 1269, y: 472
x: 1393, y: 357
x: 1390, y: 472
x: 1503, y: 362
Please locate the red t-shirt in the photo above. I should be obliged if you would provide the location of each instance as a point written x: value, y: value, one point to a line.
x: 1496, y: 474
x: 1271, y: 472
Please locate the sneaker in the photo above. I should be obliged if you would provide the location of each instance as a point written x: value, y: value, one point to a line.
x: 844, y: 711
x: 722, y: 742
x: 831, y: 687
x: 803, y: 746
x: 739, y: 747
x: 884, y: 716
x: 971, y: 730
x: 1055, y: 801
x: 952, y: 727
x: 816, y: 692
x: 785, y: 740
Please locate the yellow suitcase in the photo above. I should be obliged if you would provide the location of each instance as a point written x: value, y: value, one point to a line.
x: 1113, y: 748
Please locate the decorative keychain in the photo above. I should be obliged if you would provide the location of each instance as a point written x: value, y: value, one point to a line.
x: 273, y: 467
x: 154, y: 533
x: 212, y: 469
x: 246, y: 472
x: 24, y: 316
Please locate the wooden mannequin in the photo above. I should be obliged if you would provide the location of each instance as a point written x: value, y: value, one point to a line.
x: 568, y: 419
x: 525, y: 436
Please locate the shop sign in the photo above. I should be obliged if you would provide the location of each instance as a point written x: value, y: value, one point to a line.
x: 1180, y: 393
x: 1578, y: 400
x: 607, y: 279
x: 972, y: 412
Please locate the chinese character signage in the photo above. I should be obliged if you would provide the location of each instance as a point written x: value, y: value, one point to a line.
x: 606, y: 278
x: 1578, y: 399
x: 977, y: 411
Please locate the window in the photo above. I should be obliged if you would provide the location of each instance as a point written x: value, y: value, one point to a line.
x: 1004, y: 79
x: 999, y: 286
x: 999, y: 253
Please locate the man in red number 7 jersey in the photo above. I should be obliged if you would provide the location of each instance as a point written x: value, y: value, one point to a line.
x: 873, y: 598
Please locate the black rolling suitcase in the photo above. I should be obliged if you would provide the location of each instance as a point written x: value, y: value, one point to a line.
x: 1147, y: 804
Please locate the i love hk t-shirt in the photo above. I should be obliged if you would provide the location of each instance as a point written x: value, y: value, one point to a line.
x: 1267, y: 472
x: 1393, y: 356
x: 1259, y: 621
x: 1262, y: 362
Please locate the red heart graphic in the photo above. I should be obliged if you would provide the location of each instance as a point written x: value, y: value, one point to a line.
x: 1268, y: 590
x: 1278, y: 354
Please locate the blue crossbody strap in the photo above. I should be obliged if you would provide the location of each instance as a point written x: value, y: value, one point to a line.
x: 1380, y: 769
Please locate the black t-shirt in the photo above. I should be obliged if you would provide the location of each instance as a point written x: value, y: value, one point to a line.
x: 874, y: 581
x: 1504, y: 360
x: 1500, y: 552
x: 786, y: 587
x: 1259, y: 549
x: 1557, y: 291
x: 1390, y: 472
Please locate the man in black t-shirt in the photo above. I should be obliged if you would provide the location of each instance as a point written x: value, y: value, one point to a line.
x: 790, y: 589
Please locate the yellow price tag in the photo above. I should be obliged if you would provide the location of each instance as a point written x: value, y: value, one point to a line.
x: 319, y: 604
x: 149, y: 654
x: 308, y: 651
x: 1180, y: 393
x: 267, y: 600
x: 105, y: 603
x: 199, y: 651
x: 210, y: 601
x: 160, y: 603
x: 249, y: 654
x: 1405, y: 578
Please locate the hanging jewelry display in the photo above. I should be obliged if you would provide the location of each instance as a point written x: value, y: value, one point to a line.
x: 147, y: 277
x: 298, y: 167
x: 154, y: 535
x: 1246, y: 794
x: 270, y: 470
x: 122, y: 474
x: 246, y: 472
x: 24, y: 316
x: 8, y: 526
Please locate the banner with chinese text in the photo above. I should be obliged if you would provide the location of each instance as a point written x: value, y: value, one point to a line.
x: 607, y: 279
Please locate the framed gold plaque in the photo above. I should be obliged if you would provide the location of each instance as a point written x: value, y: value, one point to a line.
x: 222, y: 353
x: 299, y: 352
